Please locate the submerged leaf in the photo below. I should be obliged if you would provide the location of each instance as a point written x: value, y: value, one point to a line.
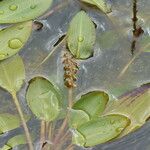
x: 43, y: 99
x: 9, y: 122
x: 103, y: 129
x: 101, y: 4
x: 12, y: 74
x: 77, y: 118
x: 22, y: 10
x: 13, y: 38
x: 81, y: 36
x: 93, y: 103
x: 135, y: 105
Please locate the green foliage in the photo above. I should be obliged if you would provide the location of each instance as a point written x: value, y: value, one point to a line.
x: 13, y: 11
x: 15, y: 141
x: 77, y: 118
x: 136, y: 107
x: 43, y: 99
x: 9, y: 122
x: 103, y: 129
x: 81, y: 36
x: 12, y: 39
x: 93, y: 103
x: 12, y: 74
x: 101, y: 4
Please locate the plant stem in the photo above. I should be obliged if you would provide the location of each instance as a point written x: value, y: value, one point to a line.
x: 70, y: 97
x: 27, y: 133
x: 64, y: 124
x: 42, y: 134
x: 51, y: 52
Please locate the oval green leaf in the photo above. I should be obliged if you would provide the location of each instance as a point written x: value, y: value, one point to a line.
x: 103, y: 129
x: 81, y: 36
x: 13, y: 11
x: 12, y: 39
x: 93, y: 103
x: 135, y: 105
x: 9, y: 122
x: 43, y: 99
x: 12, y: 74
x: 101, y: 4
x: 77, y: 118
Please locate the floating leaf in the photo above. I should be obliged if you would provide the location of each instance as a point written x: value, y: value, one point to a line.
x: 93, y: 103
x: 103, y: 129
x: 101, y: 4
x: 81, y: 36
x: 135, y: 105
x: 13, y: 38
x: 12, y: 74
x: 77, y: 118
x: 15, y: 141
x: 77, y: 138
x: 43, y: 99
x: 13, y: 11
x: 9, y: 122
x: 6, y: 147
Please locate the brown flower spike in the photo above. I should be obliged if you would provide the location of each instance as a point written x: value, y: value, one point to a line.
x: 70, y: 70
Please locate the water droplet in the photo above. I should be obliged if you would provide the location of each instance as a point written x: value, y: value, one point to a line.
x: 15, y: 43
x: 33, y: 6
x: 80, y: 39
x: 13, y: 7
x: 1, y: 12
x: 19, y: 82
x: 119, y: 129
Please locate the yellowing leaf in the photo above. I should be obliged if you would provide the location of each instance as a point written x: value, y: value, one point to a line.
x: 93, y: 103
x: 135, y: 105
x: 5, y: 147
x: 43, y: 99
x: 13, y: 11
x: 103, y: 129
x: 12, y: 74
x: 81, y: 36
x: 101, y: 4
x: 13, y: 38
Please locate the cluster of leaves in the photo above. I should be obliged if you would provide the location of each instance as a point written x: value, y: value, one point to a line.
x: 93, y: 119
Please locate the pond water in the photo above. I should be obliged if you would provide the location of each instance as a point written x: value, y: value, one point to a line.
x: 102, y: 71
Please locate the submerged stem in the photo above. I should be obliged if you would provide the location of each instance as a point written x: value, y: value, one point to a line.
x: 27, y: 133
x: 42, y: 134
